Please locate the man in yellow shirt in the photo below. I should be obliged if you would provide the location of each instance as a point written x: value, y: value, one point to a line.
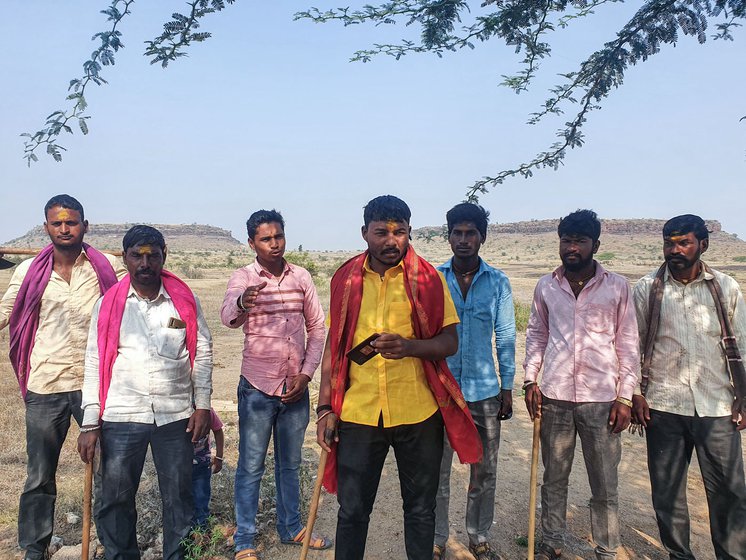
x: 394, y: 391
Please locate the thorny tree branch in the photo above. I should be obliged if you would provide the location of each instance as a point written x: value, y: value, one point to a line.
x: 523, y: 24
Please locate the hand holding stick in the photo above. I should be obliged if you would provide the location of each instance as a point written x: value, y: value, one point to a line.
x: 314, y: 504
x: 87, y: 491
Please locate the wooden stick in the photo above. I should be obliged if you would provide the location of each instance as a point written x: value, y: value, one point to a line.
x: 313, y: 508
x: 532, y: 488
x: 87, y: 491
x: 17, y: 251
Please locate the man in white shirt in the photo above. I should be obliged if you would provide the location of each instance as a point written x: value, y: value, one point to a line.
x: 149, y: 358
x: 689, y: 400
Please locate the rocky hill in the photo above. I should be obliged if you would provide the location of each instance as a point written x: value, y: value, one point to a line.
x: 608, y: 226
x: 179, y: 237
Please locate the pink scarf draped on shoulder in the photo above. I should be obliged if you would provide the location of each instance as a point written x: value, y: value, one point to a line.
x: 425, y: 291
x: 24, y: 319
x: 110, y: 320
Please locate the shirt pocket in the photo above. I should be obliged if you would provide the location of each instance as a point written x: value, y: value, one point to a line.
x: 600, y: 319
x: 171, y: 343
x: 400, y: 319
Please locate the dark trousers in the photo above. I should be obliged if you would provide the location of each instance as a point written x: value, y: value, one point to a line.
x: 124, y: 446
x: 361, y: 453
x: 47, y: 422
x: 671, y: 438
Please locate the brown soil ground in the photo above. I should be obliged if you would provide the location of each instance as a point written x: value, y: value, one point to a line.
x: 638, y: 529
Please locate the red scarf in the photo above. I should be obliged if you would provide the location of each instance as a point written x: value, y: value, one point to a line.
x: 425, y: 292
x: 24, y: 319
x: 110, y: 321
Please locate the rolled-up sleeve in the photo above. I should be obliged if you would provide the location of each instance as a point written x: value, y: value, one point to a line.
x: 231, y: 315
x: 9, y: 297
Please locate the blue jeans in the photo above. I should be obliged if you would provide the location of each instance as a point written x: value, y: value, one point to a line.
x: 259, y: 417
x: 201, y: 473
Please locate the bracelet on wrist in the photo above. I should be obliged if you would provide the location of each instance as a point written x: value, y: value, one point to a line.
x: 89, y: 429
x: 323, y: 415
x: 528, y: 384
x: 624, y: 401
x: 239, y: 303
x: 322, y: 407
x: 218, y: 458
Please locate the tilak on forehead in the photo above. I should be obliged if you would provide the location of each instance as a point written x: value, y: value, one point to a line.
x: 62, y: 214
x: 143, y: 249
x: 393, y: 225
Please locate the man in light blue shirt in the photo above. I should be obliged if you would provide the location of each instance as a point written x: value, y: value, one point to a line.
x: 484, y: 302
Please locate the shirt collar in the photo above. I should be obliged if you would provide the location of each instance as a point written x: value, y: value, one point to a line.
x: 368, y: 270
x: 83, y: 256
x: 448, y: 265
x: 559, y: 272
x: 162, y: 293
x: 703, y: 275
x: 261, y: 271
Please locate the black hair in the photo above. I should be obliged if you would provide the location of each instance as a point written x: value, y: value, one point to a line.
x: 263, y: 217
x: 386, y: 208
x: 580, y: 222
x: 143, y: 235
x: 468, y: 212
x: 65, y: 201
x: 686, y: 223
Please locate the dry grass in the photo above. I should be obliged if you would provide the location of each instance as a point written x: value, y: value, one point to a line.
x: 524, y: 259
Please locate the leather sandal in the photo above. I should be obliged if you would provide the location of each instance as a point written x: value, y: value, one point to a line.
x: 483, y: 551
x: 246, y: 554
x: 439, y: 552
x: 317, y: 542
x: 546, y: 552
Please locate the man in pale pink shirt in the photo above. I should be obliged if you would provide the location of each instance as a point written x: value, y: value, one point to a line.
x: 583, y: 331
x: 276, y: 304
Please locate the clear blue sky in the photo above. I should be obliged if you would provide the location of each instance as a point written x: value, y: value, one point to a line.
x: 270, y: 113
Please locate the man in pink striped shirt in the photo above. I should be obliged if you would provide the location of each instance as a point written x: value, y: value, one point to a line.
x: 583, y: 331
x: 276, y: 304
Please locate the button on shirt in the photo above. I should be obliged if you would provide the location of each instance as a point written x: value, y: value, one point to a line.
x: 688, y: 370
x: 152, y: 380
x: 395, y: 389
x: 287, y: 309
x: 64, y: 317
x: 487, y: 310
x: 588, y: 346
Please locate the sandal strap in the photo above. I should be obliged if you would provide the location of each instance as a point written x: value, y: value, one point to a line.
x: 548, y: 552
x: 245, y: 554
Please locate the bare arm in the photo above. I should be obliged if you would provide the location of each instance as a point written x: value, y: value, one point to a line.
x: 326, y: 429
x: 217, y: 464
